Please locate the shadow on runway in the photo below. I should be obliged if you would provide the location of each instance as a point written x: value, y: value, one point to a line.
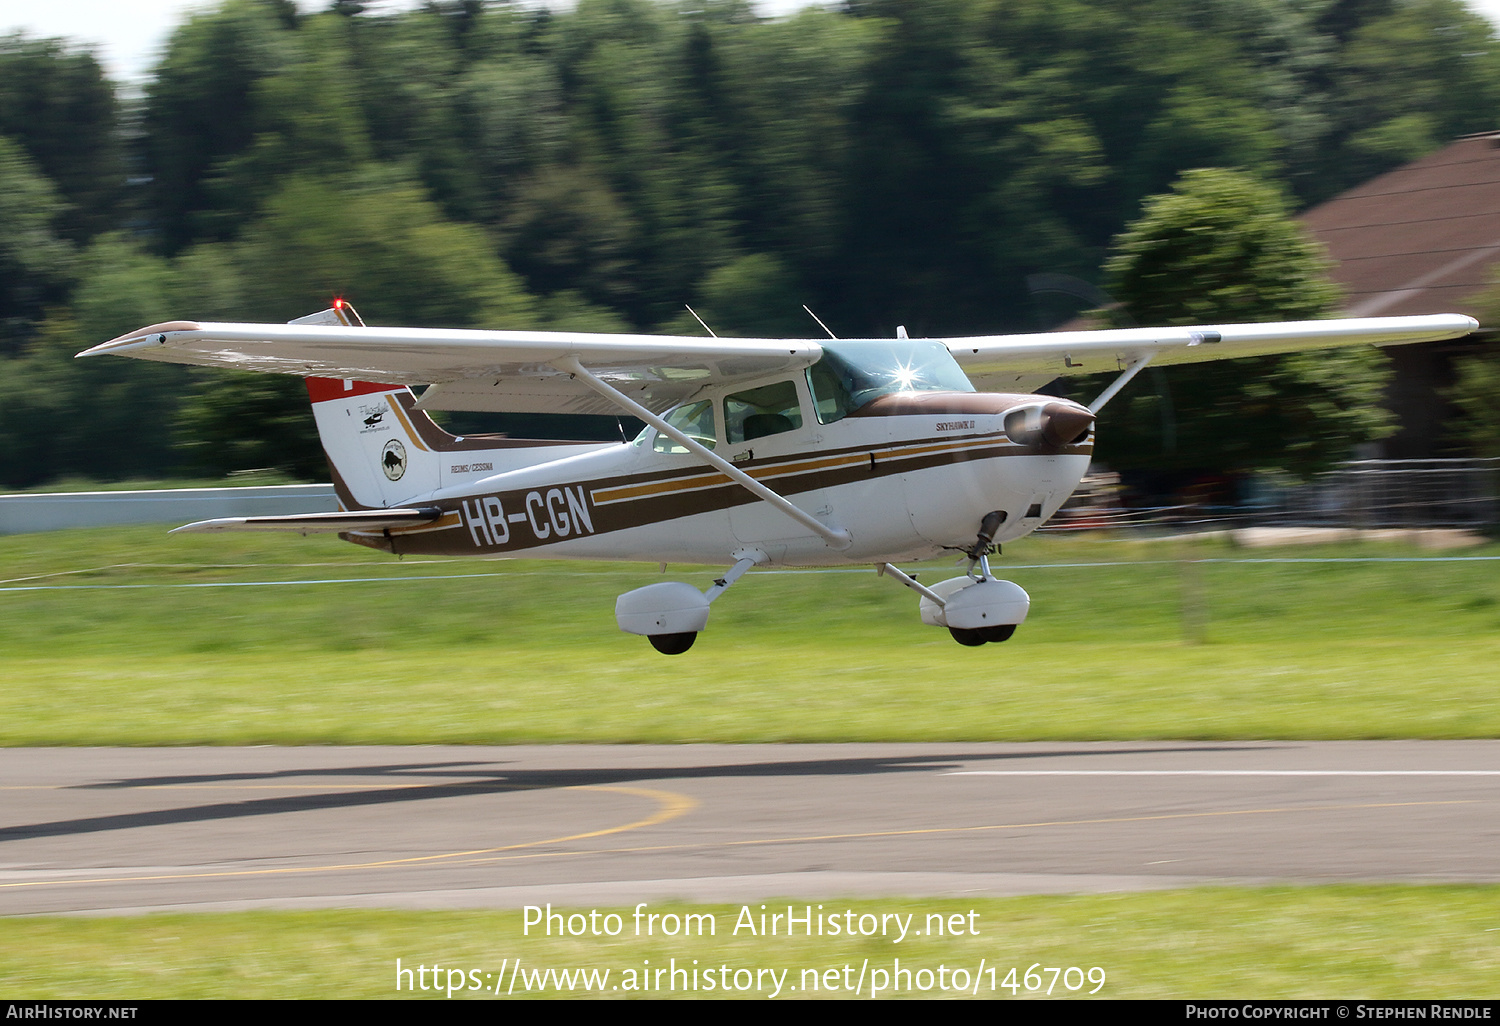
x: 400, y: 783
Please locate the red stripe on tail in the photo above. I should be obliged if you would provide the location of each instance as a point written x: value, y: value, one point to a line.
x: 321, y: 390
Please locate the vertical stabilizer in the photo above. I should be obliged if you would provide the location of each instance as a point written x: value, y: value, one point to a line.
x: 385, y: 452
x: 375, y: 450
x: 371, y: 433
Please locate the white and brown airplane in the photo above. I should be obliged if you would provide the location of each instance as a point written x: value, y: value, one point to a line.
x: 757, y: 452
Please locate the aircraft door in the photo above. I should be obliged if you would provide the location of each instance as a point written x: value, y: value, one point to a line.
x: 770, y: 436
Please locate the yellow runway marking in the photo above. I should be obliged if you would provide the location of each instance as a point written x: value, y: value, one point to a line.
x: 498, y: 785
x: 273, y: 787
x: 674, y: 805
x: 671, y: 806
x: 865, y: 835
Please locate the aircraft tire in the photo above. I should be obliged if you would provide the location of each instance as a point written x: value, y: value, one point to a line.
x: 998, y: 634
x: 971, y: 638
x: 672, y: 644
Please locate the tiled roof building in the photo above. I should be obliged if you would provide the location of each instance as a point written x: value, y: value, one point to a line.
x: 1422, y: 239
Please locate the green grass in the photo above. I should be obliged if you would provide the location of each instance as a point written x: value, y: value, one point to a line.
x: 528, y: 651
x: 1153, y: 648
x: 240, y: 479
x: 1364, y: 942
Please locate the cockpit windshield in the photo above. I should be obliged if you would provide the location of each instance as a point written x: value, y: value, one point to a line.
x: 850, y: 374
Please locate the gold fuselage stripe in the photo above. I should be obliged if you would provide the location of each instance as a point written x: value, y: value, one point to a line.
x: 788, y: 468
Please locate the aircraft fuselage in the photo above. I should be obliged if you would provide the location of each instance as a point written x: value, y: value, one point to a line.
x: 908, y: 475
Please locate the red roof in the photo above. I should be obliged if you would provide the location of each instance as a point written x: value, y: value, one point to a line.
x: 1423, y: 239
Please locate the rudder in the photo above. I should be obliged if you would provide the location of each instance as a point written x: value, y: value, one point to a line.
x: 375, y: 450
x: 371, y: 433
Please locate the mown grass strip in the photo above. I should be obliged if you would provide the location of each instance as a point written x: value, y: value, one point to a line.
x: 1317, y: 942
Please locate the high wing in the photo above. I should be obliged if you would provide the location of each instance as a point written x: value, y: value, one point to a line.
x: 534, y: 372
x: 1020, y: 363
x: 503, y: 371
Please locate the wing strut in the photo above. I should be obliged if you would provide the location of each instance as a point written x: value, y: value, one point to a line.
x: 1136, y: 366
x: 837, y: 537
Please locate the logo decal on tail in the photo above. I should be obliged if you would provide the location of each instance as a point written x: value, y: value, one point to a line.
x: 393, y: 459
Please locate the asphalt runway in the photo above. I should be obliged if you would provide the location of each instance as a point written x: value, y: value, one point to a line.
x: 128, y: 830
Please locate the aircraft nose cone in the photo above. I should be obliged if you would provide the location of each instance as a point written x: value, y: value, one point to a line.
x: 1048, y: 427
x: 1065, y: 424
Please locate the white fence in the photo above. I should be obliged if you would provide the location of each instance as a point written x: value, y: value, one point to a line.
x: 52, y: 511
x: 1462, y: 494
x: 1459, y: 493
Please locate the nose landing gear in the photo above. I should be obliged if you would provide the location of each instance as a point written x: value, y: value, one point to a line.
x: 977, y: 609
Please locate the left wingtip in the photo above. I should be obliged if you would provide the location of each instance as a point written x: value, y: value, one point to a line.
x: 139, y: 337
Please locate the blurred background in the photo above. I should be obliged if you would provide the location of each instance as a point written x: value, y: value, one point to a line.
x: 954, y: 166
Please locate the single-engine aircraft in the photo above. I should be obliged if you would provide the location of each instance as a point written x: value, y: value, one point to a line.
x: 756, y: 452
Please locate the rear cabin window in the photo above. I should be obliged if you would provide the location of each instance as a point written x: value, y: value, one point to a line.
x: 758, y: 412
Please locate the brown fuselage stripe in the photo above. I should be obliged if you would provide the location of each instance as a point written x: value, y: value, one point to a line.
x: 671, y: 495
x: 860, y: 457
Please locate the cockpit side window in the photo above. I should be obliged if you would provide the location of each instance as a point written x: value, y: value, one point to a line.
x: 758, y: 412
x: 696, y: 420
x: 831, y: 399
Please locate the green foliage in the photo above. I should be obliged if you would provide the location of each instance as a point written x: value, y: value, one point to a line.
x: 36, y: 266
x: 1476, y: 394
x: 60, y: 416
x: 1222, y: 248
x: 235, y: 422
x: 381, y: 244
x: 1407, y: 82
x: 120, y: 287
x: 305, y: 121
x: 752, y: 297
x: 884, y: 162
x: 56, y: 103
x: 569, y: 311
x: 200, y: 112
x: 566, y: 228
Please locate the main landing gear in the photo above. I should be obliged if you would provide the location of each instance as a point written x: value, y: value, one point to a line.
x: 976, y: 608
x: 672, y: 613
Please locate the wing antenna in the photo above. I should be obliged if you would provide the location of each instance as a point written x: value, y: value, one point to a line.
x: 700, y: 320
x: 820, y: 322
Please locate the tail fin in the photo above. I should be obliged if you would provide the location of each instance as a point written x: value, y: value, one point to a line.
x: 372, y: 435
x: 385, y: 453
x: 373, y: 440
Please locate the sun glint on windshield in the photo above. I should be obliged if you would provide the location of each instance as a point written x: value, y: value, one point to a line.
x: 850, y: 374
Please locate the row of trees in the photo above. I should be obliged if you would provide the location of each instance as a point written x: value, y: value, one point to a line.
x: 478, y: 163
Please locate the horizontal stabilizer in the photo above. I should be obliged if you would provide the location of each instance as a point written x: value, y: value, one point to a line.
x: 319, y: 523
